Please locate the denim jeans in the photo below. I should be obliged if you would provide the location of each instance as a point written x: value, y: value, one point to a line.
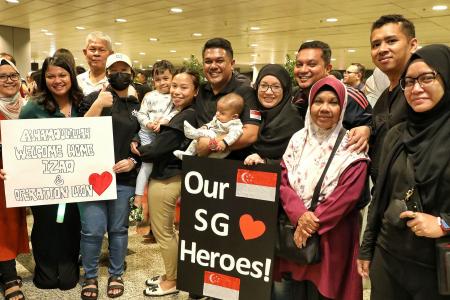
x: 99, y: 217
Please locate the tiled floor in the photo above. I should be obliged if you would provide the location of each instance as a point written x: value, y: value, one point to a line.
x: 143, y: 261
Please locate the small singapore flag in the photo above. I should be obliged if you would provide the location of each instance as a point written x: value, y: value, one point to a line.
x: 256, y: 184
x: 221, y: 286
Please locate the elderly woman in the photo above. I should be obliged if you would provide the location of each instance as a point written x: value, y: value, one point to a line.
x: 55, y: 245
x: 399, y: 244
x: 13, y: 227
x: 97, y: 217
x: 280, y: 118
x: 335, y: 219
x: 165, y: 184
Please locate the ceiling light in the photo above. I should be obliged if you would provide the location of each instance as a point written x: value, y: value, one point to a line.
x: 12, y: 1
x: 44, y: 30
x: 254, y: 55
x: 197, y: 34
x: 176, y: 10
x: 153, y: 39
x: 76, y: 58
x: 255, y: 28
x: 185, y: 58
x: 333, y: 59
x: 253, y: 45
x: 119, y: 20
x: 80, y: 27
x: 172, y: 51
x: 48, y: 33
x: 331, y: 20
x: 307, y: 41
x: 117, y: 43
x: 141, y: 53
x: 439, y: 7
x: 351, y: 50
x: 158, y: 60
x: 135, y: 61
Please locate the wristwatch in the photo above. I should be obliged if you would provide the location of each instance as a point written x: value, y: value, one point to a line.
x: 444, y: 226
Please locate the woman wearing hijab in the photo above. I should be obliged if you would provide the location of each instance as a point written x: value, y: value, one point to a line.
x: 13, y: 227
x: 280, y: 118
x: 335, y: 218
x: 55, y: 245
x: 399, y: 245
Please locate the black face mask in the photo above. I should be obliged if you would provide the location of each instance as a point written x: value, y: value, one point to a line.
x: 119, y: 81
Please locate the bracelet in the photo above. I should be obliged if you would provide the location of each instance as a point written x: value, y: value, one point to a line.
x: 132, y: 160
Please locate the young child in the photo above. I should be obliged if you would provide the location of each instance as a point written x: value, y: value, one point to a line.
x: 156, y: 109
x: 225, y: 122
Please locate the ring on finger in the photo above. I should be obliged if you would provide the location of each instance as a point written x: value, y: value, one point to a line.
x: 415, y: 228
x: 414, y: 215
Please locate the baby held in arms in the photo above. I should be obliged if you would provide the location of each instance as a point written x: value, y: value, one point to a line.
x: 226, y: 124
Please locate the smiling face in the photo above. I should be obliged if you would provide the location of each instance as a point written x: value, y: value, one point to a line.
x: 162, y: 81
x: 270, y: 91
x: 218, y: 67
x: 9, y: 87
x: 391, y: 48
x: 423, y: 96
x: 325, y: 110
x: 58, y: 81
x: 182, y: 90
x: 310, y: 67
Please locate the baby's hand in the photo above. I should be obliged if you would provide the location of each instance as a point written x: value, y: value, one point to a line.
x: 221, y: 146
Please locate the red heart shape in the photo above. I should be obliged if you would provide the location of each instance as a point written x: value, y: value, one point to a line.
x: 100, y: 182
x: 250, y: 228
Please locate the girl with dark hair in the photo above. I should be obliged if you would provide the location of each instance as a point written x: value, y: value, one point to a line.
x: 399, y: 242
x: 13, y: 227
x: 55, y: 245
x: 165, y: 184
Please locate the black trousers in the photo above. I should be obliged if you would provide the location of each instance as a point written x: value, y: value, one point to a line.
x: 394, y: 279
x: 289, y: 289
x: 8, y: 271
x: 56, y: 247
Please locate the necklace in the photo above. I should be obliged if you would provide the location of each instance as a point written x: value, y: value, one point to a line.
x: 67, y: 114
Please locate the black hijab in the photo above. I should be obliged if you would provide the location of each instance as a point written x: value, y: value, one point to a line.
x: 279, y: 123
x: 427, y: 134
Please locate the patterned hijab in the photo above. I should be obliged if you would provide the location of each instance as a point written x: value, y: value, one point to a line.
x: 309, y: 149
x: 10, y: 106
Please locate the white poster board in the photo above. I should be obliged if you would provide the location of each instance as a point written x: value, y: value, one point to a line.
x: 58, y: 160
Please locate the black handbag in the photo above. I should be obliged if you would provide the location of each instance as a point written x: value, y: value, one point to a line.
x: 411, y: 201
x: 285, y: 246
x: 443, y: 264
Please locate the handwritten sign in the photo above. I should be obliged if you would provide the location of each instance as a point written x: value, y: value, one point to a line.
x: 50, y: 161
x: 227, y: 230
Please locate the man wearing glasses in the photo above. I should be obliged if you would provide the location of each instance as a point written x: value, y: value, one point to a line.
x: 354, y: 76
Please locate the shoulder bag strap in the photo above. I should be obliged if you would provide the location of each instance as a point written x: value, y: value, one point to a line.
x: 315, y: 197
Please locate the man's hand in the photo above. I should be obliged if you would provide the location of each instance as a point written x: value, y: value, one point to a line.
x: 423, y: 224
x: 359, y: 139
x: 363, y: 268
x: 124, y: 165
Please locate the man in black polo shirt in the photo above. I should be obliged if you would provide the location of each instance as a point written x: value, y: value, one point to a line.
x: 218, y: 65
x: 313, y: 62
x: 392, y: 40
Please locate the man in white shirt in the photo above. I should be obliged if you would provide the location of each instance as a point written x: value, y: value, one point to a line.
x: 98, y: 48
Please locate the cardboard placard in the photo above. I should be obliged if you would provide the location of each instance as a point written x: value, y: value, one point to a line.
x: 227, y: 228
x: 58, y: 160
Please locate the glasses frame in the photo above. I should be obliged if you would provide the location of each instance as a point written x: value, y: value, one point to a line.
x: 270, y: 86
x: 9, y: 76
x: 418, y: 80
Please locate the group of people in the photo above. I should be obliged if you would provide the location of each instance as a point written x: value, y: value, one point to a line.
x: 406, y: 134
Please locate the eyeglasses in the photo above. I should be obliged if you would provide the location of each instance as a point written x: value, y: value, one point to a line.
x: 265, y: 87
x: 12, y: 76
x: 424, y: 79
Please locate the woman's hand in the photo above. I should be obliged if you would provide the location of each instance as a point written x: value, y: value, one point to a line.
x: 308, y: 223
x: 124, y: 165
x: 254, y: 159
x: 2, y: 174
x: 134, y: 148
x: 363, y: 268
x: 423, y: 224
x: 300, y: 237
x: 104, y: 98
